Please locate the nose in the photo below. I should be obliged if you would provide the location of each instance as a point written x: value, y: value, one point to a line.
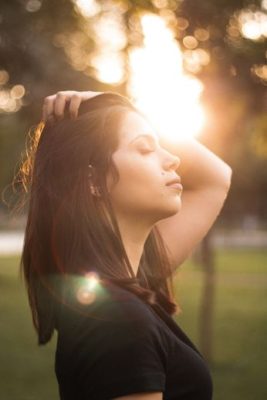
x: 171, y: 161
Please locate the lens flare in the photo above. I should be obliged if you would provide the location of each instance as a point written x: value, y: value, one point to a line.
x: 86, y: 291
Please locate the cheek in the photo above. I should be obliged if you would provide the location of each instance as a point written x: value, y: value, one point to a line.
x: 141, y: 188
x: 137, y: 175
x: 131, y: 169
x: 140, y: 184
x: 140, y: 193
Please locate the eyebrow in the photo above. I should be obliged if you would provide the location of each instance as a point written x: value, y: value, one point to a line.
x: 146, y: 136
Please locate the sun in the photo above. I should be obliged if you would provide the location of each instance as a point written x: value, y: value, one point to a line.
x: 156, y: 81
x: 158, y: 85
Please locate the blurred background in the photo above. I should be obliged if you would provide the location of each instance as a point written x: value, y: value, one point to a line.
x: 195, y: 68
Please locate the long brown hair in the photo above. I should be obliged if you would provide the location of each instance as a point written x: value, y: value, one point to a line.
x: 69, y: 231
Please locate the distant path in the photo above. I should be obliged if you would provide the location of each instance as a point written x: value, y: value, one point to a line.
x: 250, y: 279
x: 11, y: 242
x: 240, y: 238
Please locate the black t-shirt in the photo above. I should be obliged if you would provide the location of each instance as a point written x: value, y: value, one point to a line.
x: 119, y: 345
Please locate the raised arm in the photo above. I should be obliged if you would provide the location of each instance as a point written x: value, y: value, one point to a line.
x: 206, y: 180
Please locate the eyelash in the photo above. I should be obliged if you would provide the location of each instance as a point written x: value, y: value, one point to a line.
x: 146, y: 150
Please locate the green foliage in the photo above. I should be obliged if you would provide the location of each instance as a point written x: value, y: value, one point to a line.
x: 29, y: 54
x: 36, y: 40
x: 28, y: 51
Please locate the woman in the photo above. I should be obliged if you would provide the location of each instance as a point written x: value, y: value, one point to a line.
x: 108, y: 223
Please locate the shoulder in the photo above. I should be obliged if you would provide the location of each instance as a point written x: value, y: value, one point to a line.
x: 114, y: 344
x: 117, y: 323
x: 106, y: 306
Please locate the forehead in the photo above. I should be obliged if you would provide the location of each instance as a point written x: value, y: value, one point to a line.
x: 133, y: 125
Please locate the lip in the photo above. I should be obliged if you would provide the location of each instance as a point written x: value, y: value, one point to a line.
x: 176, y: 180
x: 176, y: 186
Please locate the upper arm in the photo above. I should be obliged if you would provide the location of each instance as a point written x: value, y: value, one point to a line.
x: 141, y: 396
x: 184, y: 230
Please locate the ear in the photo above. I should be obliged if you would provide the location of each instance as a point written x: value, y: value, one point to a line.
x: 94, y: 190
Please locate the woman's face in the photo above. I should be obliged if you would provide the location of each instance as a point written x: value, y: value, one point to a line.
x: 144, y: 170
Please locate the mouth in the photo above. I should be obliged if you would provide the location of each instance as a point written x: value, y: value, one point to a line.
x: 176, y: 186
x: 175, y: 183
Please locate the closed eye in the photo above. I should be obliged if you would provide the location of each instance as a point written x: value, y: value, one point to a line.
x: 145, y: 150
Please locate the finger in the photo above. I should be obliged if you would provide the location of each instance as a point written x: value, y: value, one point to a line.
x: 48, y: 107
x: 75, y: 103
x: 77, y: 98
x: 51, y: 119
x: 89, y: 94
x: 60, y: 104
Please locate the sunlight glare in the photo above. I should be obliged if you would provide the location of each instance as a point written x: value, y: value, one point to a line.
x: 108, y: 60
x: 109, y: 67
x: 251, y: 30
x: 158, y: 85
x: 253, y: 25
x: 88, y: 8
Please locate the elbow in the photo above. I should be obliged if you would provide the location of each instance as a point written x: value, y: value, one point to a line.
x: 227, y: 180
x: 229, y: 177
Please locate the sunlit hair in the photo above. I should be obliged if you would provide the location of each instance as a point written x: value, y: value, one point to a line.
x: 69, y: 230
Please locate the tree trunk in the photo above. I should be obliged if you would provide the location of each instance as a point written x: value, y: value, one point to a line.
x: 208, y: 297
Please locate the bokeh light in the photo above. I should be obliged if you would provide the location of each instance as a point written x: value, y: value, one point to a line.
x: 17, y: 92
x: 33, y: 5
x: 11, y: 98
x: 182, y: 23
x: 4, y: 77
x: 201, y: 34
x: 87, y: 8
x: 190, y: 42
x: 108, y: 61
x: 253, y: 25
x: 109, y: 67
x: 260, y: 71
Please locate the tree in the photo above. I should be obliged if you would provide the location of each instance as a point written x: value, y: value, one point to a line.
x: 48, y: 46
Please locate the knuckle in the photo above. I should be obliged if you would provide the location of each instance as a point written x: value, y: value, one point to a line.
x: 60, y: 94
x: 47, y: 100
x: 75, y: 96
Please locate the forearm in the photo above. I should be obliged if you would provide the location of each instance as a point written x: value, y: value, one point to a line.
x: 199, y: 168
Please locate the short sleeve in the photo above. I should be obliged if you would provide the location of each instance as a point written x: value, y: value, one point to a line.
x: 119, y: 353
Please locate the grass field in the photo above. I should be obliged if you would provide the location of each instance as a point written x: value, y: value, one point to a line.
x: 240, y: 329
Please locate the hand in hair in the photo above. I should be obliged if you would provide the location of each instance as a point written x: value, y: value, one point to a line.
x: 55, y: 105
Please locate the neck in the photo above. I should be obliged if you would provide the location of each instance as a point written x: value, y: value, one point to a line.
x: 134, y: 234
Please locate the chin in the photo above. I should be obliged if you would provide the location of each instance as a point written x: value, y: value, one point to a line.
x: 173, y: 212
x: 170, y: 211
x: 175, y: 206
